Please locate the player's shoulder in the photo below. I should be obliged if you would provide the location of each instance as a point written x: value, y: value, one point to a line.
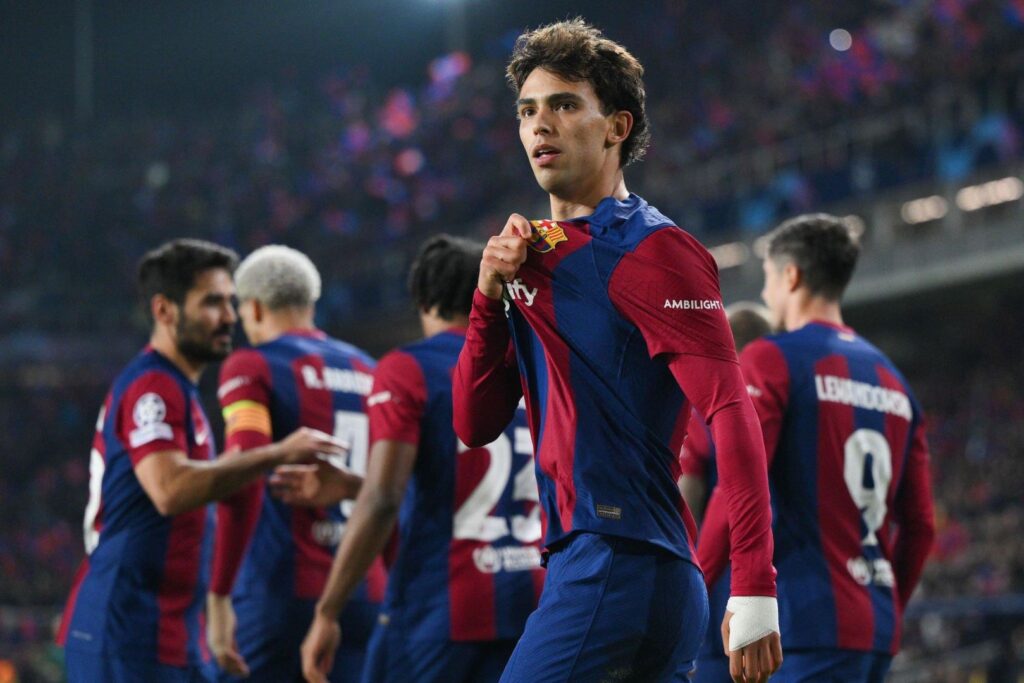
x: 247, y: 361
x: 349, y: 352
x: 148, y: 370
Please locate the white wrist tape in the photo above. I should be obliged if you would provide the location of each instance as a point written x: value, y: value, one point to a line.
x: 753, y: 617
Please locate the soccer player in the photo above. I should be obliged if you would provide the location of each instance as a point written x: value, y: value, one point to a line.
x: 748, y: 321
x: 271, y: 559
x: 133, y: 612
x: 467, y: 573
x: 615, y: 327
x: 848, y: 465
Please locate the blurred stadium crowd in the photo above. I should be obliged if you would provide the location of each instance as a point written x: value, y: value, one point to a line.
x: 356, y: 173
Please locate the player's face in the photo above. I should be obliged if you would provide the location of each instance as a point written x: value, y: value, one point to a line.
x: 207, y: 318
x: 565, y: 134
x: 774, y: 292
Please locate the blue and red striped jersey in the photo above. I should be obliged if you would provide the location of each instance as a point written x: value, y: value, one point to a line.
x: 139, y: 591
x: 468, y: 561
x: 850, y: 484
x: 300, y: 379
x: 611, y: 315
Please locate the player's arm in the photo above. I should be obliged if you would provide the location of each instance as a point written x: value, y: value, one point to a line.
x: 915, y: 517
x: 244, y: 395
x: 695, y: 341
x: 152, y: 424
x: 177, y: 484
x: 396, y: 408
x: 487, y: 374
x: 367, y: 533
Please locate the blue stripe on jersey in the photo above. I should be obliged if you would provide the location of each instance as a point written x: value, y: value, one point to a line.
x: 804, y: 578
x: 529, y: 346
x: 881, y: 596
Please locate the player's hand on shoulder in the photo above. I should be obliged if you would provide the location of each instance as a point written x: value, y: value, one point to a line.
x: 503, y: 256
x: 318, y: 648
x: 750, y: 636
x: 220, y: 635
x: 316, y: 485
x: 305, y: 444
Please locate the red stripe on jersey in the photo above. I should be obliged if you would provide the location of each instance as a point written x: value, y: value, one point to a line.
x: 471, y: 592
x: 675, y: 446
x: 178, y: 585
x: 897, y: 433
x: 69, y: 606
x: 376, y: 580
x: 838, y: 517
x: 316, y: 410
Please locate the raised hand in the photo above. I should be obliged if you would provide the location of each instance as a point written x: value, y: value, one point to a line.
x: 305, y: 444
x: 503, y: 256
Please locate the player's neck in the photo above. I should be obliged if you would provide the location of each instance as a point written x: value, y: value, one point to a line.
x: 814, y: 309
x: 584, y: 202
x: 278, y: 323
x: 433, y: 324
x: 166, y: 347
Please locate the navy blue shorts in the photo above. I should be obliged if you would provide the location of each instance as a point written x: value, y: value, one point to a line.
x: 393, y: 657
x: 92, y: 667
x: 832, y: 666
x: 270, y: 632
x: 613, y: 609
x: 712, y: 670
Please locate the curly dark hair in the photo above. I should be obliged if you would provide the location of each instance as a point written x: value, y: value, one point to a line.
x: 822, y: 246
x: 444, y: 274
x: 576, y: 51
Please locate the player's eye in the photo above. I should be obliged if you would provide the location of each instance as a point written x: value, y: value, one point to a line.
x: 526, y: 112
x: 565, y: 106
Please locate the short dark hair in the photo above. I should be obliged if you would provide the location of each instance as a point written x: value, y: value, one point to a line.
x: 171, y: 268
x: 822, y: 246
x: 748, y: 321
x: 444, y: 274
x: 576, y: 51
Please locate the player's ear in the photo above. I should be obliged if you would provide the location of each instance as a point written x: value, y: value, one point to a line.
x: 257, y: 310
x: 620, y: 128
x: 792, y: 276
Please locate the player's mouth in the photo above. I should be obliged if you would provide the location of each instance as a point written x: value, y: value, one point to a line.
x: 544, y: 155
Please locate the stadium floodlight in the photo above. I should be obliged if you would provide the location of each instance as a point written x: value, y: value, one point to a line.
x: 840, y: 40
x: 974, y: 197
x: 730, y: 255
x: 924, y: 209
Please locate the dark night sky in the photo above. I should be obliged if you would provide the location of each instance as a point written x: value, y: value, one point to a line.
x: 158, y: 52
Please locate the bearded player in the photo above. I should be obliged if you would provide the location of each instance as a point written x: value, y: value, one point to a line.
x: 615, y: 328
x: 134, y: 610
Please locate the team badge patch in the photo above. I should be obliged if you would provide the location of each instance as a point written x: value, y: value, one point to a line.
x: 546, y: 235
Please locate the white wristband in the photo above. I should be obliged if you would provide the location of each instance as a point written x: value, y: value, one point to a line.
x: 753, y: 617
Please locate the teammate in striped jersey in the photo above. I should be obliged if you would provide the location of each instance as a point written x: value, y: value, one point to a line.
x: 467, y: 571
x: 271, y: 559
x: 134, y: 610
x: 848, y: 464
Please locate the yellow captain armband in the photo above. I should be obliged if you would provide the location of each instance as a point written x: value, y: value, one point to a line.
x: 247, y: 416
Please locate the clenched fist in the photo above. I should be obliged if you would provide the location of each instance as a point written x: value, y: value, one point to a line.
x: 503, y: 256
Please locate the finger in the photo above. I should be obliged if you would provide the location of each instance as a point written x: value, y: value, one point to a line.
x: 516, y: 225
x: 762, y: 655
x: 776, y: 652
x: 309, y: 668
x: 736, y: 665
x: 236, y: 665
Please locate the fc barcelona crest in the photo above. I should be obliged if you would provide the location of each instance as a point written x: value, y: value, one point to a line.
x: 546, y: 235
